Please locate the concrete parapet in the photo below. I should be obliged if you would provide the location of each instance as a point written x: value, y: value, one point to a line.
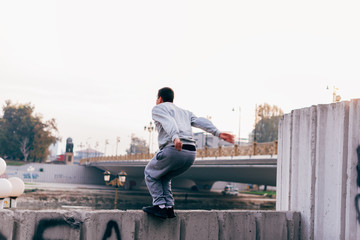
x: 6, y: 224
x: 135, y: 224
x: 316, y: 169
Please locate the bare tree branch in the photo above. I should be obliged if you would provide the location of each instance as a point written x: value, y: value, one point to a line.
x: 24, y: 147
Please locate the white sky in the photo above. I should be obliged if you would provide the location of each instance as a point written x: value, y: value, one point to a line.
x: 96, y: 66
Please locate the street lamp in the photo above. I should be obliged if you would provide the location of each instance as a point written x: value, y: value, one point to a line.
x: 18, y: 188
x: 150, y: 128
x: 107, y: 176
x: 2, y: 166
x: 336, y: 98
x: 96, y: 148
x: 5, y: 190
x: 122, y: 177
x: 30, y: 170
x: 117, y: 144
x: 239, y: 121
x: 10, y: 188
x: 106, y: 143
x: 117, y: 182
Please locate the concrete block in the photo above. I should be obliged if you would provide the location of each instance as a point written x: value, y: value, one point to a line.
x: 6, y: 224
x: 318, y: 162
x: 110, y: 224
x: 151, y: 228
x: 271, y: 225
x: 283, y: 176
x: 293, y: 225
x: 236, y: 225
x: 352, y: 227
x: 302, y: 185
x: 48, y: 225
x: 135, y: 224
x: 198, y: 224
x: 331, y: 163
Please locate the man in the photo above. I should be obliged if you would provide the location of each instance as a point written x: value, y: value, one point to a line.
x: 177, y: 150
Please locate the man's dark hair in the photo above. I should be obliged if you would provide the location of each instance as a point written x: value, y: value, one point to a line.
x: 167, y: 94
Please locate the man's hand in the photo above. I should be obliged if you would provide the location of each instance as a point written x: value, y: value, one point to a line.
x: 227, y: 137
x: 178, y: 144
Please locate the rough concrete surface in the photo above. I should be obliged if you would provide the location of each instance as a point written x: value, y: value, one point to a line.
x: 6, y: 224
x: 316, y: 173
x: 135, y: 224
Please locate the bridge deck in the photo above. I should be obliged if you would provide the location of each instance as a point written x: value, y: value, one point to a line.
x: 256, y: 170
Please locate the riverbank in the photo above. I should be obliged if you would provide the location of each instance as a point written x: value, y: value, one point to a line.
x: 76, y: 196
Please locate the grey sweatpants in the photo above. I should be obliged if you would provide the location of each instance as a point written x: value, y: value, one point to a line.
x: 166, y: 164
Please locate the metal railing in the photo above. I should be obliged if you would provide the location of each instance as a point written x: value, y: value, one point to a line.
x: 268, y: 148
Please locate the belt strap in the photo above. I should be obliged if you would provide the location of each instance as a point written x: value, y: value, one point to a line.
x: 189, y: 147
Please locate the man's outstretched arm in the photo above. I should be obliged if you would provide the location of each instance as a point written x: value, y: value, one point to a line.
x: 227, y: 137
x: 224, y: 136
x: 209, y: 127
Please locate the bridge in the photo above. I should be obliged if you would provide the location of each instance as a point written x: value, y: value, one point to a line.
x: 254, y: 164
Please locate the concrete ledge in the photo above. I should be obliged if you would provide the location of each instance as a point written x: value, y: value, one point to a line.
x: 135, y: 224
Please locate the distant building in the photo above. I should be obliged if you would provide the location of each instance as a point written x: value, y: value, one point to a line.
x: 86, y: 153
x: 204, y: 139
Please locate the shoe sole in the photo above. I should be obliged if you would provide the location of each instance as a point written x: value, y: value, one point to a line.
x: 171, y: 215
x: 155, y: 214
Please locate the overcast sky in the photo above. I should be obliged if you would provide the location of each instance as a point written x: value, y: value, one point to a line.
x: 96, y: 66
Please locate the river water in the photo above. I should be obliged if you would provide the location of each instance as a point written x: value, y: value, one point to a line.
x: 93, y: 198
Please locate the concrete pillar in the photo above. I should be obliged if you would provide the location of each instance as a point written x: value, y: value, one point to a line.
x: 352, y: 228
x: 6, y: 224
x: 69, y: 158
x: 316, y: 169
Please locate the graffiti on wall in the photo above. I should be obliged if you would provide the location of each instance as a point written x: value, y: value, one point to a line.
x: 358, y: 184
x: 45, y: 224
x: 28, y: 176
x: 70, y: 224
x: 109, y: 227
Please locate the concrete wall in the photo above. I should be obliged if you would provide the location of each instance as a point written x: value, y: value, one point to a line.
x: 316, y: 171
x: 138, y: 225
x: 56, y: 173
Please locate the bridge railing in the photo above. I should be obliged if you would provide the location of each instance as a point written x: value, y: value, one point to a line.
x: 268, y: 148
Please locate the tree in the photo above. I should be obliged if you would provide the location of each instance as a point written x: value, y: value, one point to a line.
x: 137, y: 145
x: 266, y: 123
x: 25, y: 148
x: 24, y: 134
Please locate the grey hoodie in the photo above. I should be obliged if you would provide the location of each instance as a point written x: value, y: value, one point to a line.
x: 174, y: 122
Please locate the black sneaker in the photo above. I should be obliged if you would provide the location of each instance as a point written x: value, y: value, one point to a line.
x: 170, y: 213
x: 156, y: 211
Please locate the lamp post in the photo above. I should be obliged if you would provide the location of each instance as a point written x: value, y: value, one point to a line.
x: 106, y: 143
x: 336, y: 98
x: 10, y: 188
x: 150, y: 128
x: 107, y: 176
x: 239, y: 122
x: 206, y: 135
x: 2, y: 166
x: 96, y: 148
x: 117, y: 182
x: 18, y: 188
x: 5, y: 190
x: 30, y: 170
x: 117, y: 144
